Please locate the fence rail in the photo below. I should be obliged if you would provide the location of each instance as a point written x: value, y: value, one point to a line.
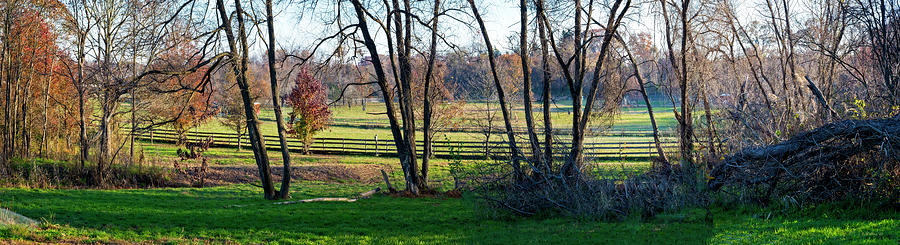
x: 448, y: 149
x: 499, y: 129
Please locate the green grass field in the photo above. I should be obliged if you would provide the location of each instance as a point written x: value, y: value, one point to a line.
x: 208, y: 215
x: 629, y: 119
x: 189, y: 215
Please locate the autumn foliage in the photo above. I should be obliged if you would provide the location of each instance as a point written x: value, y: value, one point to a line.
x: 187, y: 97
x: 310, y: 112
x: 38, y: 104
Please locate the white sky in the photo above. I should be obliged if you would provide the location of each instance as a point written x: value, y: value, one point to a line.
x: 501, y: 20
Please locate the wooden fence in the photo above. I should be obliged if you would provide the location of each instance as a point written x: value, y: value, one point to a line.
x: 499, y: 129
x: 448, y: 149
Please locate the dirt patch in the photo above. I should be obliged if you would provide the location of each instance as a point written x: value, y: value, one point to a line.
x: 332, y: 173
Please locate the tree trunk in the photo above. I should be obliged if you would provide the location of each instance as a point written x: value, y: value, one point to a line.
x: 427, y: 114
x: 637, y: 74
x: 239, y: 66
x: 391, y: 112
x: 403, y: 34
x: 501, y: 95
x: 612, y: 25
x: 687, y: 127
x: 104, y: 157
x: 82, y: 135
x: 526, y: 79
x: 711, y: 128
x: 133, y: 97
x: 545, y: 67
x: 6, y: 89
x: 285, y: 191
x: 576, y: 154
x: 26, y: 101
x: 43, y: 146
x: 239, y: 135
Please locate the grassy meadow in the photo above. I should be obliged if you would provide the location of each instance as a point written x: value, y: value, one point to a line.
x: 629, y: 119
x: 193, y: 215
x: 237, y: 213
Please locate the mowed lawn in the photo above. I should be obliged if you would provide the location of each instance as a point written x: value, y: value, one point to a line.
x: 190, y: 215
x: 238, y: 214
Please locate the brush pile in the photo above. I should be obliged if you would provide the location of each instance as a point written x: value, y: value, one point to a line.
x: 851, y: 159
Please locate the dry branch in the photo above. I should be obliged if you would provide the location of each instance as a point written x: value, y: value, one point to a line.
x: 363, y: 195
x: 387, y: 182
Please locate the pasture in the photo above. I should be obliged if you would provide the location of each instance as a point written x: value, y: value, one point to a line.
x: 203, y: 215
x: 232, y: 212
x: 354, y: 122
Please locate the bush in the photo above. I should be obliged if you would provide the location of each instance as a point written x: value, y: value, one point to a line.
x: 608, y: 194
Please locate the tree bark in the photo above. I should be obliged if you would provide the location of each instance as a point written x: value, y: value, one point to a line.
x: 501, y: 95
x: 239, y: 66
x: 43, y: 146
x: 391, y: 112
x: 82, y: 135
x: 403, y: 34
x: 640, y: 80
x: 576, y: 153
x: 612, y: 25
x: 685, y: 127
x: 427, y: 114
x: 526, y: 79
x: 285, y: 191
x: 545, y: 67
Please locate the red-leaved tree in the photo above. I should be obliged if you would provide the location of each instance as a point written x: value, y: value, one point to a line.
x: 310, y: 112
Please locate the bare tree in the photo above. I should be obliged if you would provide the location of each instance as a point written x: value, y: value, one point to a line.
x: 238, y: 62
x: 545, y: 71
x: 685, y: 120
x: 526, y: 79
x: 643, y: 89
x: 405, y: 143
x: 501, y: 96
x: 573, y: 71
x: 428, y: 104
x: 79, y: 26
x: 285, y: 191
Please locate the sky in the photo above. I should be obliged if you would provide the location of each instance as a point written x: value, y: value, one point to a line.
x: 501, y: 20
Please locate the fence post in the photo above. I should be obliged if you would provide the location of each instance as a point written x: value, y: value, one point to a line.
x: 376, y: 145
x: 151, y: 136
x: 620, y: 150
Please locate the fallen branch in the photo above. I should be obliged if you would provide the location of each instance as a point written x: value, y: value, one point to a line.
x: 387, y: 181
x: 846, y: 159
x: 320, y: 199
x: 368, y: 194
x: 363, y: 195
x: 820, y: 98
